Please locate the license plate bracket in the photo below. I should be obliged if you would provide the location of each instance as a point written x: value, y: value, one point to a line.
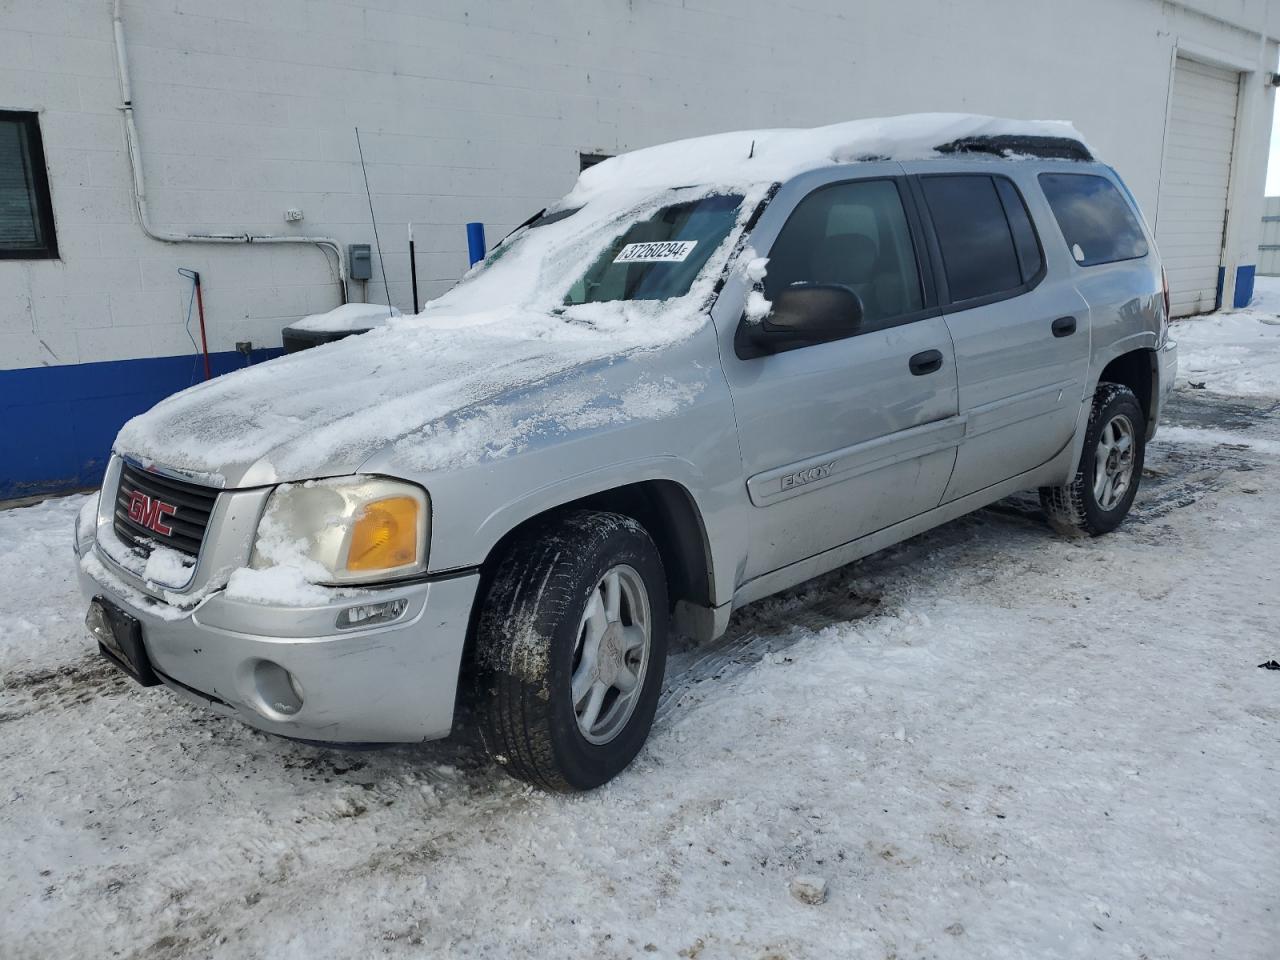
x: 119, y: 637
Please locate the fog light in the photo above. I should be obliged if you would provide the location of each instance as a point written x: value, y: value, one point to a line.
x: 278, y: 690
x: 367, y: 614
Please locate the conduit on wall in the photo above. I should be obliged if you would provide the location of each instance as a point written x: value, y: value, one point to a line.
x: 139, y: 187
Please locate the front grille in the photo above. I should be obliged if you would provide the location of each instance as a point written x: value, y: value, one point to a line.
x: 186, y: 521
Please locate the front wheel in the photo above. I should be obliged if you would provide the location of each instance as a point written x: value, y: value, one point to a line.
x: 1100, y: 495
x: 571, y: 647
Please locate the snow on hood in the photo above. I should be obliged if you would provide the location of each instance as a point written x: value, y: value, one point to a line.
x: 502, y: 329
x: 504, y: 326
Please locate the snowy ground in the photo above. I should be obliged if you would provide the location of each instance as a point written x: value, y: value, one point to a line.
x: 1236, y: 353
x: 991, y: 741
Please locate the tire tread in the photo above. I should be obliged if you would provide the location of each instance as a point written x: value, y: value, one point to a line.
x: 527, y: 596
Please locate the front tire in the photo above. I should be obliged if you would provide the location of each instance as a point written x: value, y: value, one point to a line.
x: 571, y: 647
x: 1100, y: 495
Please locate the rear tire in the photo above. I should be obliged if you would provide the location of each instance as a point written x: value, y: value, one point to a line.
x: 571, y: 647
x: 1100, y: 495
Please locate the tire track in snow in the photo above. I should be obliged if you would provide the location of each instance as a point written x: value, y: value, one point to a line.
x: 28, y: 691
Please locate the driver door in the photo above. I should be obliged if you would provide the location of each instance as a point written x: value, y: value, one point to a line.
x: 840, y: 439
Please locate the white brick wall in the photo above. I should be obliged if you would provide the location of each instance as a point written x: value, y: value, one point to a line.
x: 476, y: 111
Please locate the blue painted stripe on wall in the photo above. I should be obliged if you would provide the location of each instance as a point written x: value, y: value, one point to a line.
x: 59, y: 422
x: 1244, y: 285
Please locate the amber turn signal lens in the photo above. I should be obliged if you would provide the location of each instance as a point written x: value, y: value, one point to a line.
x: 385, y: 535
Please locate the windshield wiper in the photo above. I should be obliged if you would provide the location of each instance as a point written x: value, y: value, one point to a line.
x: 543, y: 219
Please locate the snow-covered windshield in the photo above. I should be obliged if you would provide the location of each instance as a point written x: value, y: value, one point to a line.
x: 658, y: 257
x: 617, y: 250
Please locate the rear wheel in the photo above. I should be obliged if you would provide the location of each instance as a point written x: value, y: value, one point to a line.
x: 1100, y: 495
x: 571, y: 647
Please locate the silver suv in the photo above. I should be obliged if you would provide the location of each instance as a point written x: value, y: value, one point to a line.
x: 716, y: 369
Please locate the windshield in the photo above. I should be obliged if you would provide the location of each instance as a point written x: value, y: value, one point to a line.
x: 658, y: 257
x: 602, y: 260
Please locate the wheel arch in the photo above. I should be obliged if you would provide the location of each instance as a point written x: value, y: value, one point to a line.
x: 1139, y: 370
x: 1134, y: 362
x: 666, y: 509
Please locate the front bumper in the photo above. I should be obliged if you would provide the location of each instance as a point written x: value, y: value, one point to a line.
x: 391, y: 683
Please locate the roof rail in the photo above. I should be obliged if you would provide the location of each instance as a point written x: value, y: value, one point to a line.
x: 1046, y: 148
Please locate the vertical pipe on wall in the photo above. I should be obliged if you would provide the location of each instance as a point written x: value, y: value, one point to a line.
x: 139, y: 184
x: 413, y: 269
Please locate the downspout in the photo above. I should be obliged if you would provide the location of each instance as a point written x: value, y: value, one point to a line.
x: 139, y: 186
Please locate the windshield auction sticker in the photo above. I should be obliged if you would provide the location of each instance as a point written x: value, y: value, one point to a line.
x: 670, y: 251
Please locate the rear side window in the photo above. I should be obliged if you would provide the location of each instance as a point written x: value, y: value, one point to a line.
x: 978, y: 251
x: 1097, y: 222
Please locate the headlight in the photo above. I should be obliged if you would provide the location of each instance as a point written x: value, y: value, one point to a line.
x: 346, y: 530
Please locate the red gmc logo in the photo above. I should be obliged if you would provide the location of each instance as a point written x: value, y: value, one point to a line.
x: 151, y: 513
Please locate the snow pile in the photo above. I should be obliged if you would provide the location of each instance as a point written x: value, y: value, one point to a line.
x: 41, y: 623
x: 163, y: 568
x: 283, y: 572
x: 349, y: 316
x: 1238, y: 352
x: 280, y: 585
x: 755, y: 269
x: 168, y: 567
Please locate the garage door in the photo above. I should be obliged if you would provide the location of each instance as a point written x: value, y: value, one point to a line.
x: 1193, y: 188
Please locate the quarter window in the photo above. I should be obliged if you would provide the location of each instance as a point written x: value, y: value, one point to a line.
x: 978, y: 251
x: 1097, y: 223
x: 1025, y: 240
x: 26, y: 216
x: 854, y: 234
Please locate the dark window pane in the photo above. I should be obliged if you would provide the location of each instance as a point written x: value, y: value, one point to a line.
x: 977, y: 248
x: 19, y: 222
x: 854, y: 234
x: 1030, y: 259
x: 26, y: 221
x: 586, y: 160
x: 1097, y: 223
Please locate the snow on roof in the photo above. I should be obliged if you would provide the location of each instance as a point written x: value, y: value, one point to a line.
x: 756, y: 156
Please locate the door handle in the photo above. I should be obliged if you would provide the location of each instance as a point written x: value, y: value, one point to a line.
x: 1064, y: 326
x: 928, y: 361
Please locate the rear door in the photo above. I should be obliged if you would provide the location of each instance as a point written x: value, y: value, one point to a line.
x: 1021, y: 337
x: 840, y: 439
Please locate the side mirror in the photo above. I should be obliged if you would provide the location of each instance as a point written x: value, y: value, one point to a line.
x: 803, y: 314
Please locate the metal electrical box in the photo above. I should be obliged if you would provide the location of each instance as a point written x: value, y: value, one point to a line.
x: 359, y: 261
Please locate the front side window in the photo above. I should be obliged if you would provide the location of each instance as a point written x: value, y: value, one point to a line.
x: 659, y: 257
x: 26, y: 215
x: 979, y: 255
x: 1097, y: 223
x: 854, y: 234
